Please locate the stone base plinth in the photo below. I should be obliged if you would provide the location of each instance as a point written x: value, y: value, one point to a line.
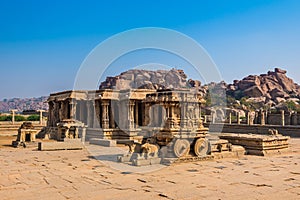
x: 260, y: 145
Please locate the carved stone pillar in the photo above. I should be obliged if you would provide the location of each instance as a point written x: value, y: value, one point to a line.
x: 96, y: 117
x: 90, y: 114
x: 146, y: 115
x: 13, y: 111
x: 199, y: 106
x: 122, y: 115
x: 183, y: 115
x: 248, y: 118
x: 136, y: 114
x: 55, y: 118
x: 105, y: 118
x: 152, y: 116
x: 158, y: 115
x: 82, y: 116
x: 131, y: 115
x: 229, y: 120
x: 238, y: 118
x: 163, y: 116
x: 213, y: 117
x: 73, y: 105
x: 171, y: 115
x: 50, y: 113
x: 112, y: 116
x: 83, y: 134
x: 61, y: 110
x: 41, y: 116
x: 282, y: 118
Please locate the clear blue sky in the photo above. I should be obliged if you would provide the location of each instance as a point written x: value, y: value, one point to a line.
x: 43, y: 43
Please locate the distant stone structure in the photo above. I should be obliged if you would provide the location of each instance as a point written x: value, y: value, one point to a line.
x: 26, y: 134
x: 262, y: 117
x: 13, y: 111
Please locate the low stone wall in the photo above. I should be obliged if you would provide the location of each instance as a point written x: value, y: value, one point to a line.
x: 292, y: 131
x: 7, y: 128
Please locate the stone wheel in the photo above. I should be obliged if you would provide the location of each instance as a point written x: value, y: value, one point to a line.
x: 181, y: 147
x: 201, y: 147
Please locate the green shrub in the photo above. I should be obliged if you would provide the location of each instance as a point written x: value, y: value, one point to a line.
x: 20, y: 118
x: 6, y: 118
x: 233, y: 118
x: 33, y: 118
x: 292, y: 106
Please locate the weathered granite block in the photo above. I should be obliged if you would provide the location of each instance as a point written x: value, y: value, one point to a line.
x: 124, y: 158
x: 103, y: 142
x: 66, y: 145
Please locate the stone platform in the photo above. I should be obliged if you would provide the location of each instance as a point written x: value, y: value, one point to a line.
x: 72, y: 144
x: 260, y: 145
x: 218, y: 149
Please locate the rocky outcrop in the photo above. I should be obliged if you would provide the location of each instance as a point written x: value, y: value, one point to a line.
x: 39, y: 103
x: 146, y: 79
x: 274, y: 86
x: 270, y: 89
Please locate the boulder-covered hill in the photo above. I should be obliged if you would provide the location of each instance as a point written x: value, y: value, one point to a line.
x: 146, y: 79
x: 34, y: 103
x: 272, y: 88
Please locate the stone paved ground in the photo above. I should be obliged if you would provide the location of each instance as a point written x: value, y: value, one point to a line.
x: 30, y: 174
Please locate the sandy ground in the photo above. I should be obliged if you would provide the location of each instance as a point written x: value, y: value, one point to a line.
x: 31, y: 174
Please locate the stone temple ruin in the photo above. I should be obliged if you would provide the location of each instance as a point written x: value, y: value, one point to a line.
x: 156, y: 125
x: 26, y: 135
x: 143, y: 110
